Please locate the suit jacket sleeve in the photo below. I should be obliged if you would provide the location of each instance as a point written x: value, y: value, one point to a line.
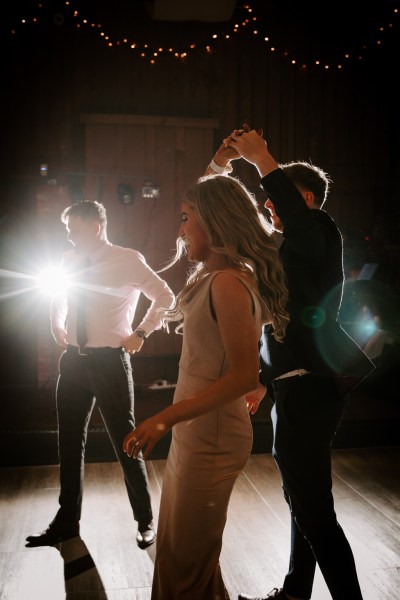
x: 312, y: 256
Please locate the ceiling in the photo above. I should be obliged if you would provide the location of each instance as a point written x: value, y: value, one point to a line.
x: 211, y: 11
x: 305, y: 30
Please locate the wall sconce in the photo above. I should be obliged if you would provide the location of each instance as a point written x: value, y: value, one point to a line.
x: 149, y: 190
x: 126, y: 195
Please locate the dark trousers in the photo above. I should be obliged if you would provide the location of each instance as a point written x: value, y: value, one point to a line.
x: 106, y: 378
x: 305, y: 416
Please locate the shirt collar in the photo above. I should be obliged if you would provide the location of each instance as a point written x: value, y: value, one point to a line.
x: 100, y: 251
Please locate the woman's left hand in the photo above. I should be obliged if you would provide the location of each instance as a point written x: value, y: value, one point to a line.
x: 145, y: 437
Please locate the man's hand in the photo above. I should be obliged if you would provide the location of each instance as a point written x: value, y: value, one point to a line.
x: 225, y: 153
x: 253, y: 148
x: 132, y: 344
x: 222, y: 158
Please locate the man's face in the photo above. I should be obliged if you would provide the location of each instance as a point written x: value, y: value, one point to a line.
x: 308, y: 198
x: 82, y: 234
x: 276, y: 222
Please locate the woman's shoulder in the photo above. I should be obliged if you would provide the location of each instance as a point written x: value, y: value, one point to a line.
x: 232, y: 281
x: 229, y: 272
x: 229, y: 276
x: 229, y: 280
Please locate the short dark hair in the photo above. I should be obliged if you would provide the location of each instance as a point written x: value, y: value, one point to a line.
x: 88, y: 210
x: 308, y: 177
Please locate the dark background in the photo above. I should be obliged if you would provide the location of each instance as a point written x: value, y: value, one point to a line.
x: 324, y: 87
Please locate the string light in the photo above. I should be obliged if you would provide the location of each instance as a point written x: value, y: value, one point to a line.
x: 145, y: 50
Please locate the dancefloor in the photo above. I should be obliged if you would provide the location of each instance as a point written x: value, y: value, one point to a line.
x: 105, y: 563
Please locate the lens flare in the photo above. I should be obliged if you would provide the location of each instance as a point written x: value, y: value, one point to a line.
x: 52, y: 281
x: 313, y: 317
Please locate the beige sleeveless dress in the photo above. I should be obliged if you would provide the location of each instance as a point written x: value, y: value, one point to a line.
x: 206, y: 456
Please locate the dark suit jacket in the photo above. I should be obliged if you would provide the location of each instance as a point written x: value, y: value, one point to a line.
x: 312, y: 255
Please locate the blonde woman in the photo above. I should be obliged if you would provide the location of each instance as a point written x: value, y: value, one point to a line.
x: 236, y: 285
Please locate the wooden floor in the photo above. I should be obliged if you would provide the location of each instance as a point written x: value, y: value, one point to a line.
x: 105, y: 563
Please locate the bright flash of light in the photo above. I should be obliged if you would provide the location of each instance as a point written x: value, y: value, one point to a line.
x: 368, y: 328
x: 14, y: 284
x: 52, y: 281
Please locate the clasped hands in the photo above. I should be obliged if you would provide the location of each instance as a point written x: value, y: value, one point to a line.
x: 227, y: 152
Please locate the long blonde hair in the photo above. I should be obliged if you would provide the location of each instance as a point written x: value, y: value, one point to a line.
x: 228, y: 214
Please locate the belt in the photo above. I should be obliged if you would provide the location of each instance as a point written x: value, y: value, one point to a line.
x: 93, y: 351
x: 296, y: 373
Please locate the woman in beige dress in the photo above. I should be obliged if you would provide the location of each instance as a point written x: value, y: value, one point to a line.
x: 236, y: 285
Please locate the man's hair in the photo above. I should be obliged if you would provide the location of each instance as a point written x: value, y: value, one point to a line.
x: 308, y: 177
x: 88, y: 210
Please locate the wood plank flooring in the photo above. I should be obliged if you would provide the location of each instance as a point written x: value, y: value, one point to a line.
x: 105, y: 563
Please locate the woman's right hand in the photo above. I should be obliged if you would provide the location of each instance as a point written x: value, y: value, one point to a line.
x: 253, y: 398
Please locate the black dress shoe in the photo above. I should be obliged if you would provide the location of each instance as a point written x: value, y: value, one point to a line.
x: 57, y: 531
x: 275, y: 593
x: 146, y: 535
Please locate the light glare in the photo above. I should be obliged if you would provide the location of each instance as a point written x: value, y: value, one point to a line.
x: 52, y: 281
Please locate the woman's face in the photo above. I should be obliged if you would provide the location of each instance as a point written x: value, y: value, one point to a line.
x: 195, y: 239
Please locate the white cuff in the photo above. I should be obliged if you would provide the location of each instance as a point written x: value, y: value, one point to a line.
x: 220, y: 170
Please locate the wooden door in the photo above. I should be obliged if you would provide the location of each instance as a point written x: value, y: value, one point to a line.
x: 147, y: 151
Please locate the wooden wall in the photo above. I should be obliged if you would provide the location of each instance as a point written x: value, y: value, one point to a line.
x: 66, y: 91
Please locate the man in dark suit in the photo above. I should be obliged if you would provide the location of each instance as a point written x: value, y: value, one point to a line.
x: 308, y: 374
